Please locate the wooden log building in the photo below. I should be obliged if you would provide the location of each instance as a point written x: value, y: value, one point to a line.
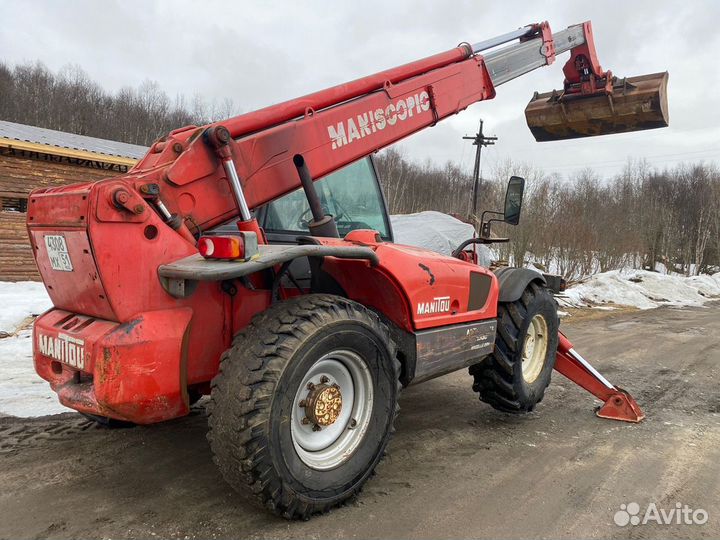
x: 32, y: 157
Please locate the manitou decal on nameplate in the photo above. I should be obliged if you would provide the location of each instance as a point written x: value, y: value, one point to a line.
x: 439, y: 304
x: 64, y: 348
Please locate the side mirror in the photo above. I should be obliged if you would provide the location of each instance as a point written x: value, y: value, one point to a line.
x: 511, y: 214
x: 513, y: 200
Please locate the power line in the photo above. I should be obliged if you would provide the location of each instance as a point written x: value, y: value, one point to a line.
x: 479, y: 140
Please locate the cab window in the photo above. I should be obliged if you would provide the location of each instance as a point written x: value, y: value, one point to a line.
x: 351, y: 195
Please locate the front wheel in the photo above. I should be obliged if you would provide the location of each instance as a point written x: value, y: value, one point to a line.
x: 303, y: 406
x: 514, y: 378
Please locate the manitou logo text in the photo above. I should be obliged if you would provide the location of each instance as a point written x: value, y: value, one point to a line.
x: 440, y: 304
x: 367, y: 123
x: 66, y: 349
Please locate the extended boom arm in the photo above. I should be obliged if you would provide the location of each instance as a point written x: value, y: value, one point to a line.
x: 334, y: 127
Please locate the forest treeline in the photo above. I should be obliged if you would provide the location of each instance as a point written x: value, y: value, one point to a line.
x: 583, y: 223
x: 576, y: 225
x: 71, y: 101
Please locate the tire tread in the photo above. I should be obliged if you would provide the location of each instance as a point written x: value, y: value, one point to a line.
x: 494, y: 378
x: 242, y: 391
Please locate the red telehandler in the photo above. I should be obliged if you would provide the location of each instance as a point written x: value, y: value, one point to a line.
x: 305, y: 323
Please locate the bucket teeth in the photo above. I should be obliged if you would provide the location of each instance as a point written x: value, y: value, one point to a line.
x: 635, y: 104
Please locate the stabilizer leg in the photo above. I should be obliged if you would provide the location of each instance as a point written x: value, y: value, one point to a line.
x: 619, y: 405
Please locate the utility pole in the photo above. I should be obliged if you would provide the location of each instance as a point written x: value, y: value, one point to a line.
x: 479, y: 140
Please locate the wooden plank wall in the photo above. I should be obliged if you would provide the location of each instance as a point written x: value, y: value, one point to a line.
x: 16, y: 259
x: 20, y: 174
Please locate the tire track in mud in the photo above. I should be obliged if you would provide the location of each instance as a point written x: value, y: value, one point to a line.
x: 21, y: 433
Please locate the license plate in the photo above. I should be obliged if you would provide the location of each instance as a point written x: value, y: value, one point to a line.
x: 58, y: 253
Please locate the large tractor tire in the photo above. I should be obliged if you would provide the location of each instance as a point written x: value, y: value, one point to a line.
x: 303, y: 406
x: 514, y: 377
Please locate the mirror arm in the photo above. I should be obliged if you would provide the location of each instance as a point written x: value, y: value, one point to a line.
x: 482, y: 217
x: 485, y: 225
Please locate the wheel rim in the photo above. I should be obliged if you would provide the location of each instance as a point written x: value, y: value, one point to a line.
x: 332, y: 409
x: 535, y: 348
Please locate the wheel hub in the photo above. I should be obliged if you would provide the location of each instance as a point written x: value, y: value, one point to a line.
x: 333, y: 408
x: 535, y: 348
x: 323, y: 404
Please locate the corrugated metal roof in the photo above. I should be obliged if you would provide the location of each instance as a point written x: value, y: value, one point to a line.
x: 60, y: 139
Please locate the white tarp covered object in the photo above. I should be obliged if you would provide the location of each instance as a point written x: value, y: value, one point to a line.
x: 435, y: 231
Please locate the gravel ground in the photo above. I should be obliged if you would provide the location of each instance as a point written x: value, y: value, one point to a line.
x: 455, y: 469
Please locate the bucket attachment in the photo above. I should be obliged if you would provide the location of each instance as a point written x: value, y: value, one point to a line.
x: 619, y: 405
x: 631, y: 104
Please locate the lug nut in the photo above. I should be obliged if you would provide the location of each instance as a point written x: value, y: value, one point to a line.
x: 310, y: 386
x: 324, y: 379
x: 303, y: 403
x: 316, y: 427
x: 305, y: 421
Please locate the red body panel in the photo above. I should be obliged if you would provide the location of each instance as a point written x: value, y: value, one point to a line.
x: 133, y: 371
x: 114, y: 281
x: 408, y: 278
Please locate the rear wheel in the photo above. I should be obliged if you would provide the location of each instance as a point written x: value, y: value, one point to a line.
x: 514, y: 378
x: 304, y: 403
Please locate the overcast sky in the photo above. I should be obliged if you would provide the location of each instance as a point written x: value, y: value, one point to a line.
x: 259, y: 53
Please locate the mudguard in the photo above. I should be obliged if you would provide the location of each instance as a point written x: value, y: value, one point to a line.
x: 514, y: 280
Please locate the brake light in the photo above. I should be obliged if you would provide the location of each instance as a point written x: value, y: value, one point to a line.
x: 222, y: 247
x: 242, y: 246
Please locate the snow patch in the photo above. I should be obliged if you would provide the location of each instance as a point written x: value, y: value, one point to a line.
x: 21, y: 300
x: 642, y: 289
x: 22, y: 391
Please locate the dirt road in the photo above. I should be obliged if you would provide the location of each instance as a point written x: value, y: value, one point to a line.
x: 456, y: 468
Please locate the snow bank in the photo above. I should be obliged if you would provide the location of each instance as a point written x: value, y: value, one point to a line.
x: 22, y: 392
x: 435, y: 231
x: 643, y: 290
x: 19, y: 301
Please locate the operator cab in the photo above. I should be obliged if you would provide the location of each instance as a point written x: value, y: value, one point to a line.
x: 351, y: 195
